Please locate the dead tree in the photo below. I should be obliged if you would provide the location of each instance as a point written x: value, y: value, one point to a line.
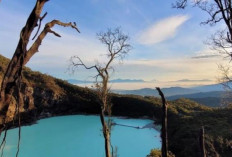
x: 164, y: 133
x: 219, y: 11
x: 202, y: 142
x: 11, y: 83
x: 117, y: 48
x: 22, y: 55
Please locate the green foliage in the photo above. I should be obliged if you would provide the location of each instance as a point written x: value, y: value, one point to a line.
x: 157, y: 153
x: 184, y: 125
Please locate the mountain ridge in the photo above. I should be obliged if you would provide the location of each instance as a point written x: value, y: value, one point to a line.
x: 152, y: 92
x: 75, y: 81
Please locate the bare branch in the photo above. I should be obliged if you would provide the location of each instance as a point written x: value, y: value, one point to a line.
x: 117, y: 46
x: 40, y: 20
x: 79, y: 62
x: 47, y: 29
x: 180, y: 4
x: 115, y: 41
x: 225, y: 78
x: 218, y: 11
x: 53, y: 32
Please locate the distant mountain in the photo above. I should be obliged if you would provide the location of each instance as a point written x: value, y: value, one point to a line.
x: 126, y: 80
x: 216, y: 94
x: 74, y: 81
x: 210, y: 95
x: 178, y: 90
x: 152, y: 92
x: 213, y: 99
x: 142, y: 92
x: 188, y: 80
x: 209, y: 88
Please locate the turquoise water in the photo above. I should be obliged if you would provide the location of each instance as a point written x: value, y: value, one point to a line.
x: 81, y: 136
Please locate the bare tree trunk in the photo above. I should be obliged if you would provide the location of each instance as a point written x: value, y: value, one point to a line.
x: 202, y: 142
x: 14, y: 68
x: 104, y: 108
x: 164, y: 134
x: 106, y: 134
x: 22, y: 55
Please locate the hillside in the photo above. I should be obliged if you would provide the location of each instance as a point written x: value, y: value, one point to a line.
x: 209, y: 88
x: 206, y: 95
x: 216, y: 94
x: 152, y: 92
x: 49, y: 96
x: 212, y: 99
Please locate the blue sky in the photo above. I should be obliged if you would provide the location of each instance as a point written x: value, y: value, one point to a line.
x: 167, y: 43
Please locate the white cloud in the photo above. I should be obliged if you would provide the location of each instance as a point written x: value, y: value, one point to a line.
x: 53, y: 60
x: 171, y: 69
x: 167, y: 71
x: 206, y: 53
x: 54, y: 53
x: 162, y: 30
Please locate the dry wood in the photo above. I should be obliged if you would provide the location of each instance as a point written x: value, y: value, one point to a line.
x: 202, y: 142
x: 116, y: 43
x: 164, y: 134
x: 23, y: 54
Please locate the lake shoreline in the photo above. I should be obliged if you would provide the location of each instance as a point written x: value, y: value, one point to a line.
x: 47, y: 115
x: 77, y: 134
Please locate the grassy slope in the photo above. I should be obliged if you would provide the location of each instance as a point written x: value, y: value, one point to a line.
x: 185, y: 117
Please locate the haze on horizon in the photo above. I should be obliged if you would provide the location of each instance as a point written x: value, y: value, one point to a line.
x: 167, y: 43
x: 128, y: 84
